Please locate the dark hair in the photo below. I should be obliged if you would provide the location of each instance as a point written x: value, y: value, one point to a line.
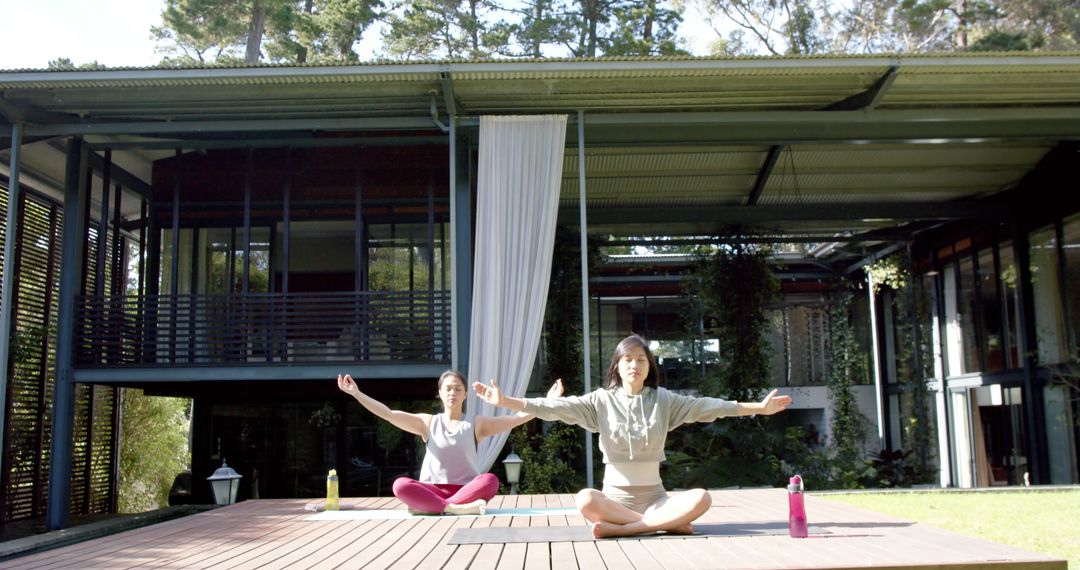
x: 611, y: 377
x: 452, y: 373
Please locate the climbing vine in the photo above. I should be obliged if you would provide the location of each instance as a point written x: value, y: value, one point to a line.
x: 910, y: 307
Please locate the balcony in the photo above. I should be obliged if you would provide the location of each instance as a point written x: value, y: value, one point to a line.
x: 266, y: 328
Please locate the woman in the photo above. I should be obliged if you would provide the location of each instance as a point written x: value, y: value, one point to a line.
x: 633, y: 415
x: 450, y: 479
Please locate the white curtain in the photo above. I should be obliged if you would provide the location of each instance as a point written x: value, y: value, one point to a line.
x: 518, y: 179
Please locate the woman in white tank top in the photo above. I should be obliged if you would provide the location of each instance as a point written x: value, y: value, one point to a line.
x: 450, y: 479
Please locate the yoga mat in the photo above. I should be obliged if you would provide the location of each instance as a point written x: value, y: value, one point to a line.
x: 369, y: 514
x: 502, y: 535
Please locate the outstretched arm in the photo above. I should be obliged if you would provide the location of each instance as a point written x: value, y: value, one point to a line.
x: 412, y: 423
x: 770, y: 405
x: 491, y: 394
x: 491, y: 425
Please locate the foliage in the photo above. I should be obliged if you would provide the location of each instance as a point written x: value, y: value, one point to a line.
x: 65, y: 64
x: 437, y: 28
x: 893, y: 468
x: 550, y: 458
x: 846, y: 366
x: 733, y: 285
x: 554, y: 458
x: 153, y: 449
x: 914, y: 355
x: 332, y: 31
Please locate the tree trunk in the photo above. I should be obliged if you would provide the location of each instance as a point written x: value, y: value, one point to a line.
x: 301, y: 51
x: 647, y: 27
x: 591, y: 15
x: 538, y: 14
x: 255, y: 33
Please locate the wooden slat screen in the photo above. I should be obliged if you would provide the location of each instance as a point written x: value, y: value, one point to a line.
x: 27, y: 419
x: 190, y: 329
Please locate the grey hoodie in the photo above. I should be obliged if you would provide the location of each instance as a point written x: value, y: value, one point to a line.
x: 632, y: 427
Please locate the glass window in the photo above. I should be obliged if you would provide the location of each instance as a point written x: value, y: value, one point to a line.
x: 1070, y: 247
x: 1010, y: 326
x: 1045, y: 284
x: 1060, y: 433
x: 399, y: 258
x: 805, y: 337
x: 990, y: 305
x: 967, y: 309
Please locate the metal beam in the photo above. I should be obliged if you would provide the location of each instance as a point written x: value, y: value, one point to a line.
x: 296, y: 141
x: 251, y: 372
x: 870, y: 98
x: 76, y: 198
x: 27, y: 114
x: 7, y: 296
x: 453, y: 106
x: 923, y: 126
x: 879, y: 254
x: 757, y: 127
x: 765, y: 214
x: 123, y: 177
x: 763, y: 175
x: 328, y: 124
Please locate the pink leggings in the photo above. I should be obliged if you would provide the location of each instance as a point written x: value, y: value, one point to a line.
x: 433, y: 497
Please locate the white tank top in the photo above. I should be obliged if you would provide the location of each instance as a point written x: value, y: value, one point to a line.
x: 451, y: 456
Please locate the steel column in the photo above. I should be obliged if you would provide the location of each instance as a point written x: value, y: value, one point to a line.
x: 74, y: 234
x: 584, y: 245
x: 8, y: 299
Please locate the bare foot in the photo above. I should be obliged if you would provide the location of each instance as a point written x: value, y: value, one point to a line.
x: 605, y: 529
x: 687, y: 528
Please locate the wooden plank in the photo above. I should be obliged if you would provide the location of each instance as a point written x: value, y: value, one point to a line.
x: 338, y: 554
x: 563, y: 556
x: 341, y: 534
x: 638, y: 555
x: 442, y: 553
x: 275, y: 534
x: 475, y: 555
x: 587, y: 555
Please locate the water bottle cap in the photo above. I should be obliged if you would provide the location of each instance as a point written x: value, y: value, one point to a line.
x: 795, y: 484
x: 333, y: 473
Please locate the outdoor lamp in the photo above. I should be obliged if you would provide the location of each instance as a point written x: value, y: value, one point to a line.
x: 512, y: 463
x: 224, y: 482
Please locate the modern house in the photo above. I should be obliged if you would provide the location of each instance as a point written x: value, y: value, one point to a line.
x: 241, y: 235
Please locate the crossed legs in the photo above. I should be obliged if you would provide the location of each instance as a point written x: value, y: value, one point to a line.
x: 436, y: 499
x: 612, y: 518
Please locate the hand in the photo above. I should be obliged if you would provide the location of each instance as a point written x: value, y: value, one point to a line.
x: 556, y: 390
x: 488, y: 393
x: 773, y: 403
x: 347, y: 385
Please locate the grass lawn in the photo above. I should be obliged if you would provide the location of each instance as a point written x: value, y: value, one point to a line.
x: 1047, y: 522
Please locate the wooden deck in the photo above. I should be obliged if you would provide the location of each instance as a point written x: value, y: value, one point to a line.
x: 277, y: 534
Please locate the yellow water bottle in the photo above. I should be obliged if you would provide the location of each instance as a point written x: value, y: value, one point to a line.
x: 332, y: 491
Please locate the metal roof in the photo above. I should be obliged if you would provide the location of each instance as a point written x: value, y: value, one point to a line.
x: 692, y: 135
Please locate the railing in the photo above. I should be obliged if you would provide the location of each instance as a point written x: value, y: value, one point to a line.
x: 262, y: 327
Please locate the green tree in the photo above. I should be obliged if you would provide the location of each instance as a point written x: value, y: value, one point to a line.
x: 321, y: 31
x: 542, y: 23
x: 153, y: 449
x: 446, y: 29
x: 65, y: 64
x: 202, y: 31
x: 644, y: 28
x: 780, y: 27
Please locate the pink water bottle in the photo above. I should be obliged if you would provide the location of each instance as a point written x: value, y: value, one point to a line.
x: 796, y: 508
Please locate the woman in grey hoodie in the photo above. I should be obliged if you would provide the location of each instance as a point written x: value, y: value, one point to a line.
x: 633, y: 414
